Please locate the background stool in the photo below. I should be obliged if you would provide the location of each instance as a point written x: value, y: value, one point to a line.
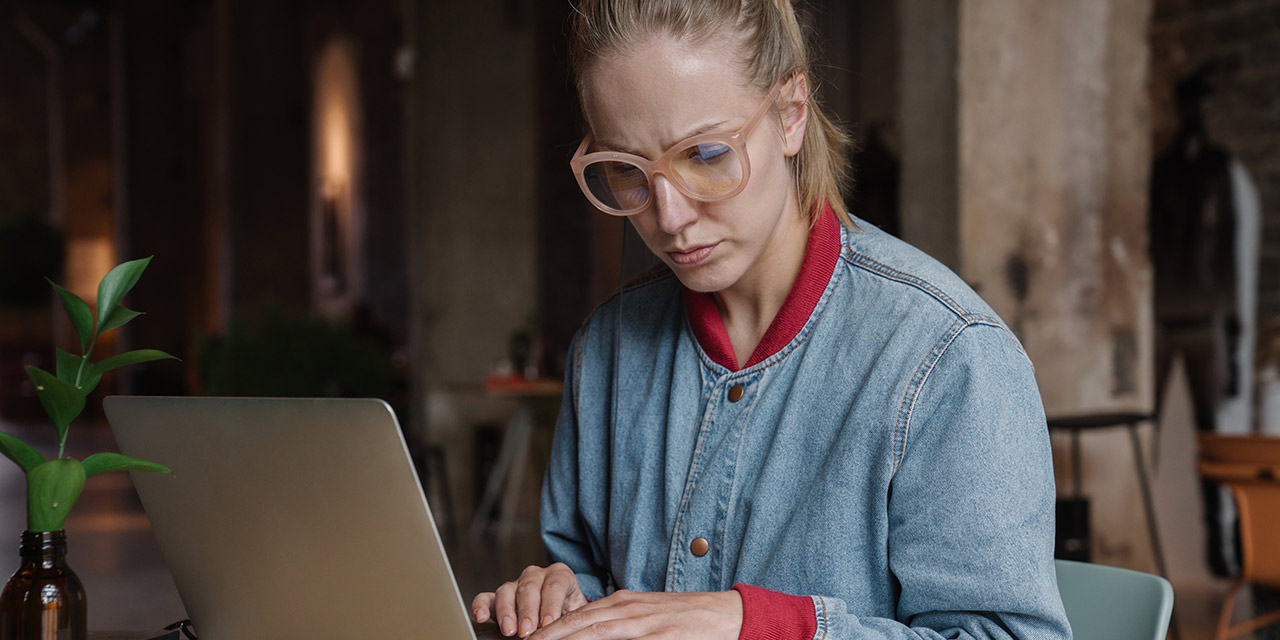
x: 1090, y: 422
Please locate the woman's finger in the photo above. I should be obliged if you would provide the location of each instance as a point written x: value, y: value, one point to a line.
x: 529, y: 599
x: 504, y: 608
x: 482, y: 606
x: 559, y: 585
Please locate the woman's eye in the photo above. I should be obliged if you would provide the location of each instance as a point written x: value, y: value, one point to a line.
x: 708, y: 153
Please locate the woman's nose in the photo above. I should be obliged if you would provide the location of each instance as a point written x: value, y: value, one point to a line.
x: 675, y: 211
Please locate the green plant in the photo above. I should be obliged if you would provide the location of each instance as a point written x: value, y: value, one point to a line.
x: 284, y: 354
x: 54, y: 485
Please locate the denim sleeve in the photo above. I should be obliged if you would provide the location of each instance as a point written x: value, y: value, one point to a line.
x: 971, y: 506
x: 564, y: 528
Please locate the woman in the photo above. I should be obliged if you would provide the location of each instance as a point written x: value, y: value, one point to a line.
x: 800, y: 405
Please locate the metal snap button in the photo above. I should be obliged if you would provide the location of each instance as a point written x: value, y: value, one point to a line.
x: 735, y: 393
x: 700, y: 546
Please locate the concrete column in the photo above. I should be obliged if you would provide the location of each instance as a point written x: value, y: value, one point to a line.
x: 1053, y: 166
x: 929, y: 95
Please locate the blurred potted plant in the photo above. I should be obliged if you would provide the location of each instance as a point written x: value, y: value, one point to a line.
x: 44, y: 598
x: 289, y: 355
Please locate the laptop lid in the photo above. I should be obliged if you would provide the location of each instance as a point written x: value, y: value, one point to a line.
x: 291, y: 518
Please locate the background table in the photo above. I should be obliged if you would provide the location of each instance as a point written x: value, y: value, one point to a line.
x: 513, y: 455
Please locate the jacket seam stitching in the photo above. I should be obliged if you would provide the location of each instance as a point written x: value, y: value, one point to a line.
x: 725, y: 495
x: 918, y: 380
x: 865, y: 262
x: 695, y: 473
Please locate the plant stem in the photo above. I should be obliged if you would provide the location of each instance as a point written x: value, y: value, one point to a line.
x: 84, y: 359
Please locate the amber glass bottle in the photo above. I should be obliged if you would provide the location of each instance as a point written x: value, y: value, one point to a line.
x: 44, y: 599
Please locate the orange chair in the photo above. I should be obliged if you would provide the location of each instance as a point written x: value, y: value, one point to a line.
x: 1250, y: 466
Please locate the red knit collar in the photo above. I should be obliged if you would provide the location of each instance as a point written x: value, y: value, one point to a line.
x: 820, y: 257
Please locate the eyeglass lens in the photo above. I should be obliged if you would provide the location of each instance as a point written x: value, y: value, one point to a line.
x: 709, y: 170
x: 617, y: 184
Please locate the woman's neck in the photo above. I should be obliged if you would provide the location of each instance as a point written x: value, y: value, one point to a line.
x: 749, y: 306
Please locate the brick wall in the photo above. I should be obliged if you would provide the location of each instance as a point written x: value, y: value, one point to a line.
x: 1242, y: 39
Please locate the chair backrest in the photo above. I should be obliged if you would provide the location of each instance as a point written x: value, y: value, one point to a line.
x: 1106, y: 603
x: 1258, y: 507
x: 1250, y: 465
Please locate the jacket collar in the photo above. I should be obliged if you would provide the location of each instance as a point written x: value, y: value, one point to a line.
x: 820, y: 257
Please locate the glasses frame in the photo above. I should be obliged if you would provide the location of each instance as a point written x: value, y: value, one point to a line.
x: 735, y: 140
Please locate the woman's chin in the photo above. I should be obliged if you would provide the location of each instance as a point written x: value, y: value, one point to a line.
x: 703, y: 278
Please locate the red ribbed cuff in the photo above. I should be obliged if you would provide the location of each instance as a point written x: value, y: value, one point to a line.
x: 770, y: 615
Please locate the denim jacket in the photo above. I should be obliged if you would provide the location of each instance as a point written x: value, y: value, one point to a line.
x: 890, y: 462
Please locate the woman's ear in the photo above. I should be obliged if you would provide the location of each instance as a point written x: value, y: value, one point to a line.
x: 793, y: 106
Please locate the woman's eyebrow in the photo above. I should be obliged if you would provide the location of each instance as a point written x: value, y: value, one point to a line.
x: 622, y: 148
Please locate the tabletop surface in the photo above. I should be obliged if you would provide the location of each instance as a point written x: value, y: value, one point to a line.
x: 1096, y: 420
x: 133, y: 635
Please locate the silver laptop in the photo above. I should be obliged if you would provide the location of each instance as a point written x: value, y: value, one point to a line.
x: 291, y: 518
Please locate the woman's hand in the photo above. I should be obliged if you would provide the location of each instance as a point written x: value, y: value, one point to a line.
x: 537, y: 598
x: 628, y: 615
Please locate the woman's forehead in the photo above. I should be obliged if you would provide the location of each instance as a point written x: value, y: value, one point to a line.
x: 657, y: 93
x: 657, y: 63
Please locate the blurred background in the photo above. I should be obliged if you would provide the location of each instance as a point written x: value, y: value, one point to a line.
x: 373, y: 199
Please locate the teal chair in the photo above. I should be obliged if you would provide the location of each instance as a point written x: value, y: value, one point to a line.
x: 1106, y: 603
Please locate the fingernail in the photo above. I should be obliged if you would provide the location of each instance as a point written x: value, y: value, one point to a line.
x: 546, y: 620
x: 526, y: 627
x: 479, y: 613
x: 508, y: 626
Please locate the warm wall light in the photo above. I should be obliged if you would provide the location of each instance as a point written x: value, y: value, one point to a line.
x: 337, y: 227
x: 336, y: 147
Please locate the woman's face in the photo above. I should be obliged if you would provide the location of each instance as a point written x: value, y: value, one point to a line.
x: 646, y: 100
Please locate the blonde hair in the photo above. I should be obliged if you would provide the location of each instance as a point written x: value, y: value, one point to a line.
x: 773, y: 47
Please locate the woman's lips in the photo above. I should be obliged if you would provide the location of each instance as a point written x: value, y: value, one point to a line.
x: 692, y: 257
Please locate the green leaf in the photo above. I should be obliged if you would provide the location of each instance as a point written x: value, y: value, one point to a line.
x: 106, y: 462
x: 130, y: 357
x: 62, y: 401
x: 116, y: 284
x: 68, y: 365
x: 78, y: 311
x: 118, y: 317
x: 21, y: 453
x: 69, y: 368
x: 52, y: 488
